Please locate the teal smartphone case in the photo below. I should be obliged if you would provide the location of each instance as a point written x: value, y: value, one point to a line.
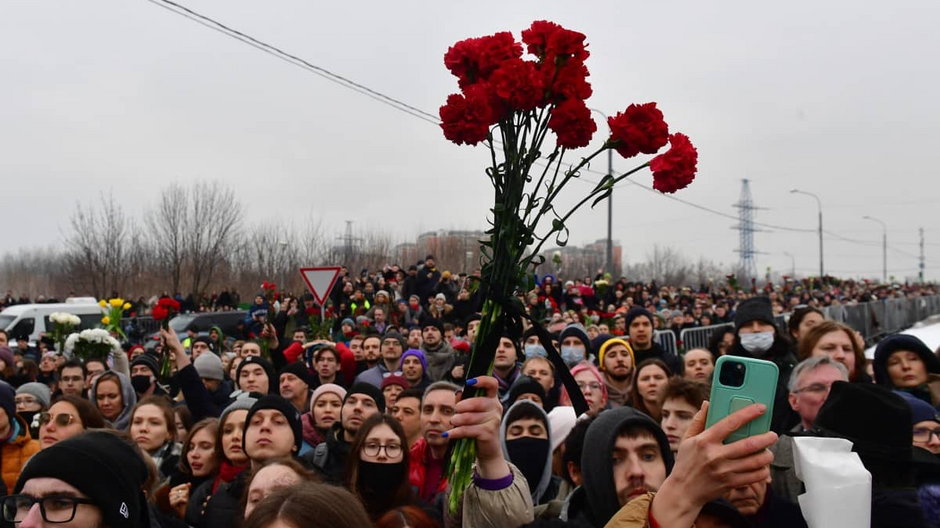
x: 760, y: 386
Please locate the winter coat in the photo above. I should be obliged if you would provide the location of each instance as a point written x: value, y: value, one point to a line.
x: 16, y: 451
x: 503, y: 508
x: 440, y: 360
x: 221, y: 509
x: 329, y: 457
x: 418, y: 460
x: 658, y: 352
x: 782, y: 472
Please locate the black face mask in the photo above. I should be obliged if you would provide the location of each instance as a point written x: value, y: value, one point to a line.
x: 529, y: 455
x: 378, y: 481
x: 140, y: 383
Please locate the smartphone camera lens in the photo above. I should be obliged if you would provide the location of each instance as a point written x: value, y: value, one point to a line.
x: 732, y: 374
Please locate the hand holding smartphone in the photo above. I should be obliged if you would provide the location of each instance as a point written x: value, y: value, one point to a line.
x: 737, y: 383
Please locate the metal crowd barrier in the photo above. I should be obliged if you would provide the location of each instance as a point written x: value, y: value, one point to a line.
x: 871, y: 319
x: 667, y: 340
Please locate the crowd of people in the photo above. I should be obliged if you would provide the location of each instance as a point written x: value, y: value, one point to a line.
x: 276, y: 427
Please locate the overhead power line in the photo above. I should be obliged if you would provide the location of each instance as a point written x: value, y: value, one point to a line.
x: 414, y: 111
x: 295, y: 60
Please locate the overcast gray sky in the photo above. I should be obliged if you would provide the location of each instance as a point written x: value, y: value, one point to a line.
x: 837, y: 98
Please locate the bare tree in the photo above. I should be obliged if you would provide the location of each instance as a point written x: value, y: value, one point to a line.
x: 212, y: 219
x: 168, y: 222
x: 98, y: 246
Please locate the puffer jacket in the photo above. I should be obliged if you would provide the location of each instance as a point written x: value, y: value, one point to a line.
x: 509, y: 507
x: 16, y: 451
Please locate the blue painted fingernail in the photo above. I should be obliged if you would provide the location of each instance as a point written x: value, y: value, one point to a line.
x: 444, y: 434
x: 471, y: 382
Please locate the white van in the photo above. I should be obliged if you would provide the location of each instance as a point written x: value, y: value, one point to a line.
x: 31, y: 321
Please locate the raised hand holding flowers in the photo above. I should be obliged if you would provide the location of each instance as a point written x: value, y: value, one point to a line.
x: 62, y: 325
x: 511, y: 103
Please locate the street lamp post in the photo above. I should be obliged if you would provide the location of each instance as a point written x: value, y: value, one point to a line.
x: 610, y: 209
x: 884, y: 247
x: 818, y: 204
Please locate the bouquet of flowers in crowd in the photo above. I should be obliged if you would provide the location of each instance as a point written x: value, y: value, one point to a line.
x: 269, y: 289
x: 321, y: 324
x: 163, y: 311
x: 62, y: 325
x: 94, y: 343
x: 115, y: 312
x: 514, y: 105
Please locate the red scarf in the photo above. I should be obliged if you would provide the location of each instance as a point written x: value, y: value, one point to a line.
x: 227, y: 473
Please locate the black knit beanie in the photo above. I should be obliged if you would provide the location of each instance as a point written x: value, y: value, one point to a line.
x: 753, y: 309
x: 148, y: 360
x: 277, y: 403
x: 101, y: 466
x: 298, y: 369
x: 268, y: 369
x: 369, y: 390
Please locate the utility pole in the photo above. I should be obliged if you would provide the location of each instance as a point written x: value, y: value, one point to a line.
x: 920, y: 265
x: 745, y: 225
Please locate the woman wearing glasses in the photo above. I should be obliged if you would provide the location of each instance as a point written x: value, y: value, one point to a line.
x: 69, y: 416
x: 377, y: 467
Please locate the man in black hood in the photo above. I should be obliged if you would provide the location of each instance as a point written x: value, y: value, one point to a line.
x: 756, y: 336
x: 629, y: 456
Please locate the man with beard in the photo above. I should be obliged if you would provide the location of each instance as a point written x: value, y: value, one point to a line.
x: 391, y: 346
x: 329, y: 457
x: 641, y: 329
x: 440, y: 355
x: 616, y: 362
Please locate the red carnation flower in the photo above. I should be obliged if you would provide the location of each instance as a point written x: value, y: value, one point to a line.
x: 536, y: 37
x: 571, y: 121
x: 568, y: 81
x: 269, y: 286
x: 169, y: 304
x: 467, y: 118
x: 473, y: 60
x: 675, y: 169
x: 639, y: 128
x: 565, y: 44
x: 159, y: 313
x: 518, y: 83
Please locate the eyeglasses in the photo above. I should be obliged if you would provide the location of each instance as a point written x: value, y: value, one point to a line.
x: 396, y: 373
x: 61, y: 419
x: 593, y: 385
x: 922, y: 434
x: 372, y: 449
x: 816, y: 388
x: 54, y: 508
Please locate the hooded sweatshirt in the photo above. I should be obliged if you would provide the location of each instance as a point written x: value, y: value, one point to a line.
x: 128, y: 396
x: 598, y: 501
x: 545, y: 480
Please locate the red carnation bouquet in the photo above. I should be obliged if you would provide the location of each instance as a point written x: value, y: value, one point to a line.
x: 525, y: 101
x: 163, y: 311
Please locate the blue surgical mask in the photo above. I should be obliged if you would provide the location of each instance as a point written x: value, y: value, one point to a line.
x: 572, y: 355
x: 758, y: 343
x: 535, y: 350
